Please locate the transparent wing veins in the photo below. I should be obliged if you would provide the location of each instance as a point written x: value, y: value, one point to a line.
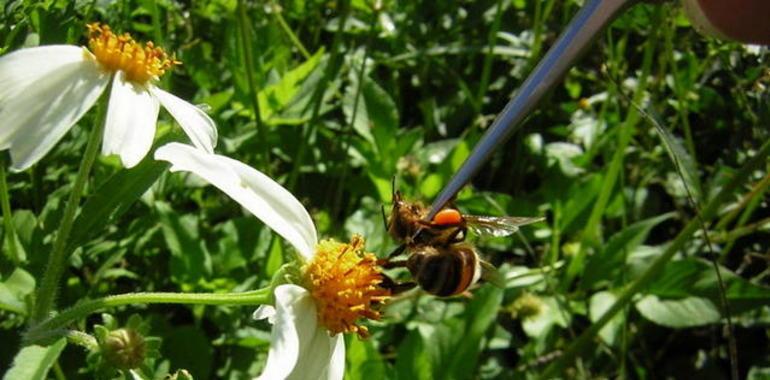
x: 498, y: 226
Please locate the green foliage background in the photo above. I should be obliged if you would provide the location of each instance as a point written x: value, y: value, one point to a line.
x: 405, y: 90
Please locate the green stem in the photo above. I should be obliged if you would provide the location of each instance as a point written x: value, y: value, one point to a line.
x: 243, y: 26
x: 286, y: 29
x: 5, y: 205
x: 52, y: 326
x: 82, y: 339
x: 583, y: 342
x: 57, y: 260
x: 486, y: 68
x: 333, y: 64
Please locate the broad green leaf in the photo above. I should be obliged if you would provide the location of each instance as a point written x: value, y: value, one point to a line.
x: 275, y: 97
x: 607, y: 265
x: 413, y: 361
x: 758, y: 373
x: 33, y: 362
x: 28, y: 235
x: 680, y: 313
x: 113, y: 198
x: 551, y: 314
x: 190, y: 261
x: 695, y: 277
x: 14, y: 291
x: 598, y: 304
x: 373, y: 113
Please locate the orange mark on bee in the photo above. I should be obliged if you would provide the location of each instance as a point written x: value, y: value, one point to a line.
x: 448, y: 217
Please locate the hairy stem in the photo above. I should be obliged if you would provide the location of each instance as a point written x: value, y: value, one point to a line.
x: 52, y: 327
x: 57, y: 260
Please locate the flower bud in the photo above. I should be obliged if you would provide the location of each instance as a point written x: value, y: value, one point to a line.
x: 526, y: 306
x: 124, y: 348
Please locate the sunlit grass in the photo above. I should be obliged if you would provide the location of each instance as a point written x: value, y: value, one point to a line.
x: 334, y: 100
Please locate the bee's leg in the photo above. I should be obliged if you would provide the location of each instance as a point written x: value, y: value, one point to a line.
x: 399, y: 250
x: 390, y: 264
x: 396, y: 287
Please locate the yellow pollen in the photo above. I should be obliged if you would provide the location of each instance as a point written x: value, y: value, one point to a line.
x: 345, y: 284
x: 141, y: 63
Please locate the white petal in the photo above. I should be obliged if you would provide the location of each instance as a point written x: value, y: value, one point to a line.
x: 198, y: 126
x: 130, y: 125
x: 24, y: 68
x: 336, y: 368
x: 265, y: 312
x: 300, y: 349
x: 256, y: 192
x: 295, y: 321
x: 316, y: 351
x: 44, y: 92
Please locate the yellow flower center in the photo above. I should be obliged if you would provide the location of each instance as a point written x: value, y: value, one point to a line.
x: 345, y: 284
x: 141, y: 63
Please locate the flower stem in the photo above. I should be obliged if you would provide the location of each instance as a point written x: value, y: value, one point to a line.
x: 46, y: 294
x: 82, y: 339
x: 52, y: 327
x: 9, y: 233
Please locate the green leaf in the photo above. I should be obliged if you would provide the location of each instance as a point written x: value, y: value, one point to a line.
x: 363, y: 360
x: 551, y: 314
x: 607, y: 265
x: 374, y: 114
x: 685, y: 312
x: 413, y: 361
x: 683, y: 162
x: 33, y: 362
x: 113, y: 198
x: 190, y: 261
x: 189, y: 348
x: 275, y: 97
x: 480, y: 314
x: 695, y: 277
x: 274, y: 256
x: 14, y: 291
x: 600, y: 302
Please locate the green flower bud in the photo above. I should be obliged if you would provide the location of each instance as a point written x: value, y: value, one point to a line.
x: 124, y: 348
x: 526, y: 306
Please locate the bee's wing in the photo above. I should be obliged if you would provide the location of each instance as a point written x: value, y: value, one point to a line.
x: 497, y: 226
x: 490, y: 274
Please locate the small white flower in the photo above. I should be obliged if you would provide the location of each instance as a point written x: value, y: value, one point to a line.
x: 340, y: 282
x: 45, y: 90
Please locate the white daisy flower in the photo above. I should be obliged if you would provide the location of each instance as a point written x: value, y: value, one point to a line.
x: 46, y: 90
x: 339, y: 284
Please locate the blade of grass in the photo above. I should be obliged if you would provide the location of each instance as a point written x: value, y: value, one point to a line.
x: 583, y: 342
x: 242, y: 19
x: 591, y: 232
x: 685, y: 168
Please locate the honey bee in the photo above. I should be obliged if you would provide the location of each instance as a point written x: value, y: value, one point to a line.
x: 440, y: 262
